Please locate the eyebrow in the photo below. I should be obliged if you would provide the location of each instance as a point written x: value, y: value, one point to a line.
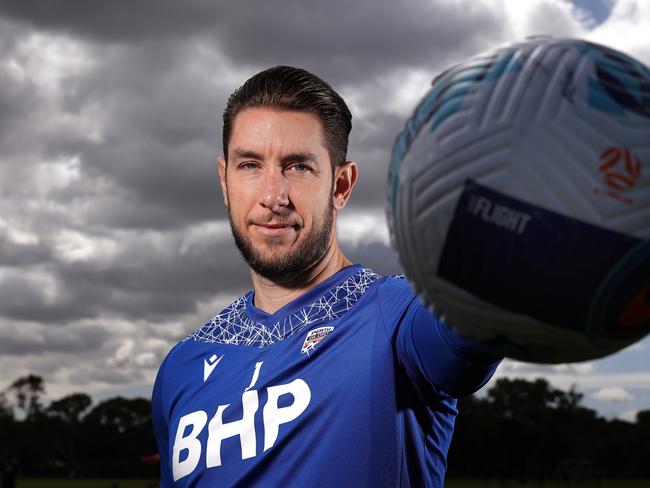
x: 241, y: 154
x: 297, y: 157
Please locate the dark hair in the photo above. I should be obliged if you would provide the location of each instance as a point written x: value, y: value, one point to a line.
x: 288, y: 88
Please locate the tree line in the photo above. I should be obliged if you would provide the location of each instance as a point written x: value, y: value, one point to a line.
x: 530, y: 430
x: 519, y: 429
x: 70, y: 437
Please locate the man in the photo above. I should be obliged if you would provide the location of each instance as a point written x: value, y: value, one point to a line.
x: 325, y: 374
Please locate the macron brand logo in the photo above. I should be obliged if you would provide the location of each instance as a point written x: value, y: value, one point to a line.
x: 209, y: 365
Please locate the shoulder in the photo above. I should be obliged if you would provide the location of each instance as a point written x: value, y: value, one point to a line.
x: 395, y: 295
x: 389, y: 291
x: 394, y: 285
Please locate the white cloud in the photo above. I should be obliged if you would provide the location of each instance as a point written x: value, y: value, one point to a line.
x: 583, y: 368
x: 354, y: 228
x: 628, y: 416
x: 564, y: 380
x: 123, y: 353
x: 74, y: 246
x: 204, y: 233
x: 397, y: 92
x: 613, y: 394
x: 17, y: 232
x: 539, y: 17
x: 58, y: 173
x: 511, y: 366
x: 48, y: 60
x: 626, y: 29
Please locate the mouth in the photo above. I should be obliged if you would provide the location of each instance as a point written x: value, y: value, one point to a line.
x: 273, y: 229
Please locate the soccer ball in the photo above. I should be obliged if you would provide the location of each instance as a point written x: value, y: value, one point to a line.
x: 519, y: 199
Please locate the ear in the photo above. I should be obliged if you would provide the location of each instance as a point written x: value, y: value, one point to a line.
x: 345, y: 176
x: 221, y: 163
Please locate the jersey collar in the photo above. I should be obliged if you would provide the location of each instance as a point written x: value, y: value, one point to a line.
x: 303, y: 300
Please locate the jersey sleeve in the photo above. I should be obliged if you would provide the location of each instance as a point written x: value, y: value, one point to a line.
x: 432, y: 354
x: 160, y: 422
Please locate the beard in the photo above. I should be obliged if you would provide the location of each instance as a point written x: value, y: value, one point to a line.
x: 293, y: 263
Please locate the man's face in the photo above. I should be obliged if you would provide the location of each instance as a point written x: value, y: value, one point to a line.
x: 278, y: 189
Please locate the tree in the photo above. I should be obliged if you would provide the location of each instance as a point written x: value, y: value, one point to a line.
x: 121, y: 434
x: 122, y: 414
x: 70, y: 408
x: 524, y: 429
x: 526, y: 401
x: 643, y: 418
x: 27, y: 391
x: 5, y: 409
x: 66, y: 442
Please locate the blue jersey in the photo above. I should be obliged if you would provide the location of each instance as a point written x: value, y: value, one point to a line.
x: 352, y: 384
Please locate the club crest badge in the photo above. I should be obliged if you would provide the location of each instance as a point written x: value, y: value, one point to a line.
x: 314, y: 336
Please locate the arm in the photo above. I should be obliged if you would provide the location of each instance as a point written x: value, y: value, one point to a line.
x: 430, y: 351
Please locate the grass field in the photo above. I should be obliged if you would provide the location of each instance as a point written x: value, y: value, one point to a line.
x: 451, y: 483
x: 482, y: 483
x: 85, y: 483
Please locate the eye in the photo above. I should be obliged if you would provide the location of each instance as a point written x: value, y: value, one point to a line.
x: 300, y: 168
x: 248, y: 165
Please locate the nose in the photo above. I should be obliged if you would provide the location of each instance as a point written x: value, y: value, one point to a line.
x: 275, y: 193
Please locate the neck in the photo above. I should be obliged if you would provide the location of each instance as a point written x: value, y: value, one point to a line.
x: 271, y: 296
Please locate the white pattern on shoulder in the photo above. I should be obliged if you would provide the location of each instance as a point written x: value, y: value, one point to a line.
x: 233, y: 326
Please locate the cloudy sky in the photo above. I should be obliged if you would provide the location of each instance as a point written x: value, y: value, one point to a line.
x: 113, y: 238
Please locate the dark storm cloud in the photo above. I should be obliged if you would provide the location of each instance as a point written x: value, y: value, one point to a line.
x: 16, y: 254
x: 162, y: 135
x: 160, y: 112
x: 143, y: 281
x: 154, y: 186
x: 19, y: 297
x: 152, y: 167
x: 152, y: 284
x: 344, y: 40
x: 12, y: 102
x: 140, y: 117
x: 26, y: 299
x: 158, y: 119
x: 352, y: 41
x: 69, y: 339
x: 148, y: 283
x: 118, y: 20
x: 17, y: 100
x: 370, y: 145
